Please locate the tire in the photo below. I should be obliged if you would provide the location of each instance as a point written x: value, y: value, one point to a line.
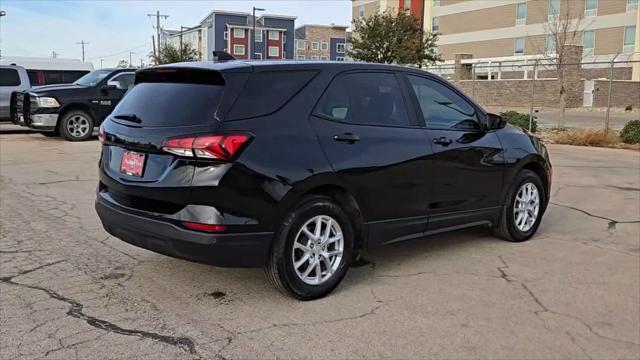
x: 281, y: 270
x: 509, y: 228
x: 76, y: 125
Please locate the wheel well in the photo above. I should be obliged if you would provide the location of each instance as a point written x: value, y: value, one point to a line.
x: 349, y: 204
x: 72, y: 107
x: 539, y: 170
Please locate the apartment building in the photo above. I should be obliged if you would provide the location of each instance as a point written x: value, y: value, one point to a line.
x: 505, y: 30
x: 321, y: 42
x: 233, y: 32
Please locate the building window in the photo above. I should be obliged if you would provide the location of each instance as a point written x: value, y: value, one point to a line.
x: 238, y: 33
x: 324, y: 58
x: 407, y: 4
x: 258, y: 35
x: 315, y: 46
x: 590, y: 7
x: 518, y: 46
x: 554, y: 9
x: 361, y: 11
x: 340, y: 48
x: 324, y: 46
x: 632, y: 5
x: 274, y: 51
x: 257, y: 56
x: 314, y: 57
x: 284, y: 54
x: 435, y: 24
x: 226, y: 35
x: 551, y: 44
x: 301, y: 57
x: 238, y: 49
x: 521, y: 13
x: 629, y: 39
x: 284, y: 38
x: 588, y: 42
x: 302, y: 45
x: 274, y: 35
x: 339, y: 58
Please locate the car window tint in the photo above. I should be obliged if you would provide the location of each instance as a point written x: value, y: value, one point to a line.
x: 365, y: 99
x: 441, y: 107
x: 9, y: 77
x: 268, y: 91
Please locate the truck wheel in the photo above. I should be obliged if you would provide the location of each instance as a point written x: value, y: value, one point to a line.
x: 312, y: 250
x: 76, y: 125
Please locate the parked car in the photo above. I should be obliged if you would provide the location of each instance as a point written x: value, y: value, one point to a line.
x: 297, y: 166
x: 72, y: 110
x: 49, y: 71
x: 12, y: 78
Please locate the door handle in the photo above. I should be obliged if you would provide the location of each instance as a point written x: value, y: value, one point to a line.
x: 347, y: 137
x: 442, y: 141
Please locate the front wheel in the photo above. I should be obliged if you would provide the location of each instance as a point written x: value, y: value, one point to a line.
x: 523, y: 208
x: 76, y: 125
x: 312, y: 250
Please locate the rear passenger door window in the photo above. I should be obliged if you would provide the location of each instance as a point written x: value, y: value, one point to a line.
x: 441, y: 107
x: 9, y: 77
x: 365, y: 98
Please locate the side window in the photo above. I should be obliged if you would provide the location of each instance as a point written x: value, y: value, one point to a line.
x: 365, y: 99
x: 441, y: 107
x: 268, y: 91
x: 9, y: 77
x: 125, y: 81
x: 53, y: 77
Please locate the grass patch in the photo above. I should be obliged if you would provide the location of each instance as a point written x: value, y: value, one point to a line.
x: 587, y: 137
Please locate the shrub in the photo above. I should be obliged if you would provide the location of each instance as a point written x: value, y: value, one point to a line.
x: 586, y: 137
x: 630, y: 134
x: 519, y: 119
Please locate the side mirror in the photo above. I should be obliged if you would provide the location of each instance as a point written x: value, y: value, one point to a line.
x: 495, y: 121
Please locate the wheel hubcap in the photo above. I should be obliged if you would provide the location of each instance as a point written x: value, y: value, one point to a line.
x: 317, y: 250
x: 526, y: 207
x: 78, y: 126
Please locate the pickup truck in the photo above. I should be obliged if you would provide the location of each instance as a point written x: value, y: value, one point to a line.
x: 72, y: 110
x: 12, y: 78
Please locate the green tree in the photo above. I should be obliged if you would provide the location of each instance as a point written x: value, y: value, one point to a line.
x: 393, y: 37
x: 171, y: 54
x: 123, y: 63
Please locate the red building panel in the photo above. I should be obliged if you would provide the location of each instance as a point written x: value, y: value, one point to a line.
x: 239, y: 41
x: 271, y: 43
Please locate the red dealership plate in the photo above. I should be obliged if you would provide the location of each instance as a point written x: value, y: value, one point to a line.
x: 132, y: 163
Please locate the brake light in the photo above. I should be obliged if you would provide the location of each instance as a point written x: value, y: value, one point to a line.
x: 217, y: 147
x: 101, y: 135
x: 204, y: 227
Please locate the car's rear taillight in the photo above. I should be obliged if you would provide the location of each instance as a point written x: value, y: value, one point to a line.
x: 224, y: 147
x: 101, y: 135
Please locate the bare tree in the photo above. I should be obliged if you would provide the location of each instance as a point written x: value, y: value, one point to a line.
x: 565, y: 22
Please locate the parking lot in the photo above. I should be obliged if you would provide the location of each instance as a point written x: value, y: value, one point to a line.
x: 67, y: 289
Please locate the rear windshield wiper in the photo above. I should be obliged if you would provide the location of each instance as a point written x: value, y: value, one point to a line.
x: 128, y: 117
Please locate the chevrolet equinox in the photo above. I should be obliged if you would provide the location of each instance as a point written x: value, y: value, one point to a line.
x: 298, y: 166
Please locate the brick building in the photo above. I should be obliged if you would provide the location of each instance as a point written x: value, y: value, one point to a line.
x: 233, y: 32
x: 502, y: 31
x: 321, y: 42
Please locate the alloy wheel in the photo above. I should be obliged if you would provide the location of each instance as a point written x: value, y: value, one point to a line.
x: 317, y: 250
x: 78, y: 126
x: 526, y: 207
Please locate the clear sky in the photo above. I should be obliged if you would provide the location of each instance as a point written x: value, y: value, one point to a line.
x: 114, y: 27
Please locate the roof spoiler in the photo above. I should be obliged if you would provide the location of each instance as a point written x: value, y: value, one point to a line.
x: 222, y: 56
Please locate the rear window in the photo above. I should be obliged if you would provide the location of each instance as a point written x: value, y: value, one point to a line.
x: 171, y: 104
x: 9, y: 77
x: 266, y: 92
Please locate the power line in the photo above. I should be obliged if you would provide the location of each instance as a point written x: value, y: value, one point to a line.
x: 117, y: 53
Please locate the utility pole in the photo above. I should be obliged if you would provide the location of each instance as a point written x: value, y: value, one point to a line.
x: 54, y: 54
x: 83, y: 44
x: 157, y: 15
x: 253, y: 41
x: 130, y: 53
x: 182, y: 27
x: 101, y: 61
x: 153, y: 43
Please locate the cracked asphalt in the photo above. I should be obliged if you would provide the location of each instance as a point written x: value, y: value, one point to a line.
x: 69, y: 290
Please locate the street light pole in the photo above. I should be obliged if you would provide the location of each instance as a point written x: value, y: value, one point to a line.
x: 130, y: 59
x: 253, y: 41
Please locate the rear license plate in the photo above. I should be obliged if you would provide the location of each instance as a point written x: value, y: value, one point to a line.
x: 132, y: 163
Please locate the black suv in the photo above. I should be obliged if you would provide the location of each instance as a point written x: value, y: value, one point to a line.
x: 298, y: 166
x: 72, y: 110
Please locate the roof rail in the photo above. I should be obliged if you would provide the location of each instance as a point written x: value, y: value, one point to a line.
x: 222, y: 56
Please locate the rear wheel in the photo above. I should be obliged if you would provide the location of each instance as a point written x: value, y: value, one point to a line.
x: 312, y: 250
x: 76, y: 125
x: 522, y: 212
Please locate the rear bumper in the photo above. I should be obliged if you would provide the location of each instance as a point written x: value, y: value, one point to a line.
x: 227, y: 250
